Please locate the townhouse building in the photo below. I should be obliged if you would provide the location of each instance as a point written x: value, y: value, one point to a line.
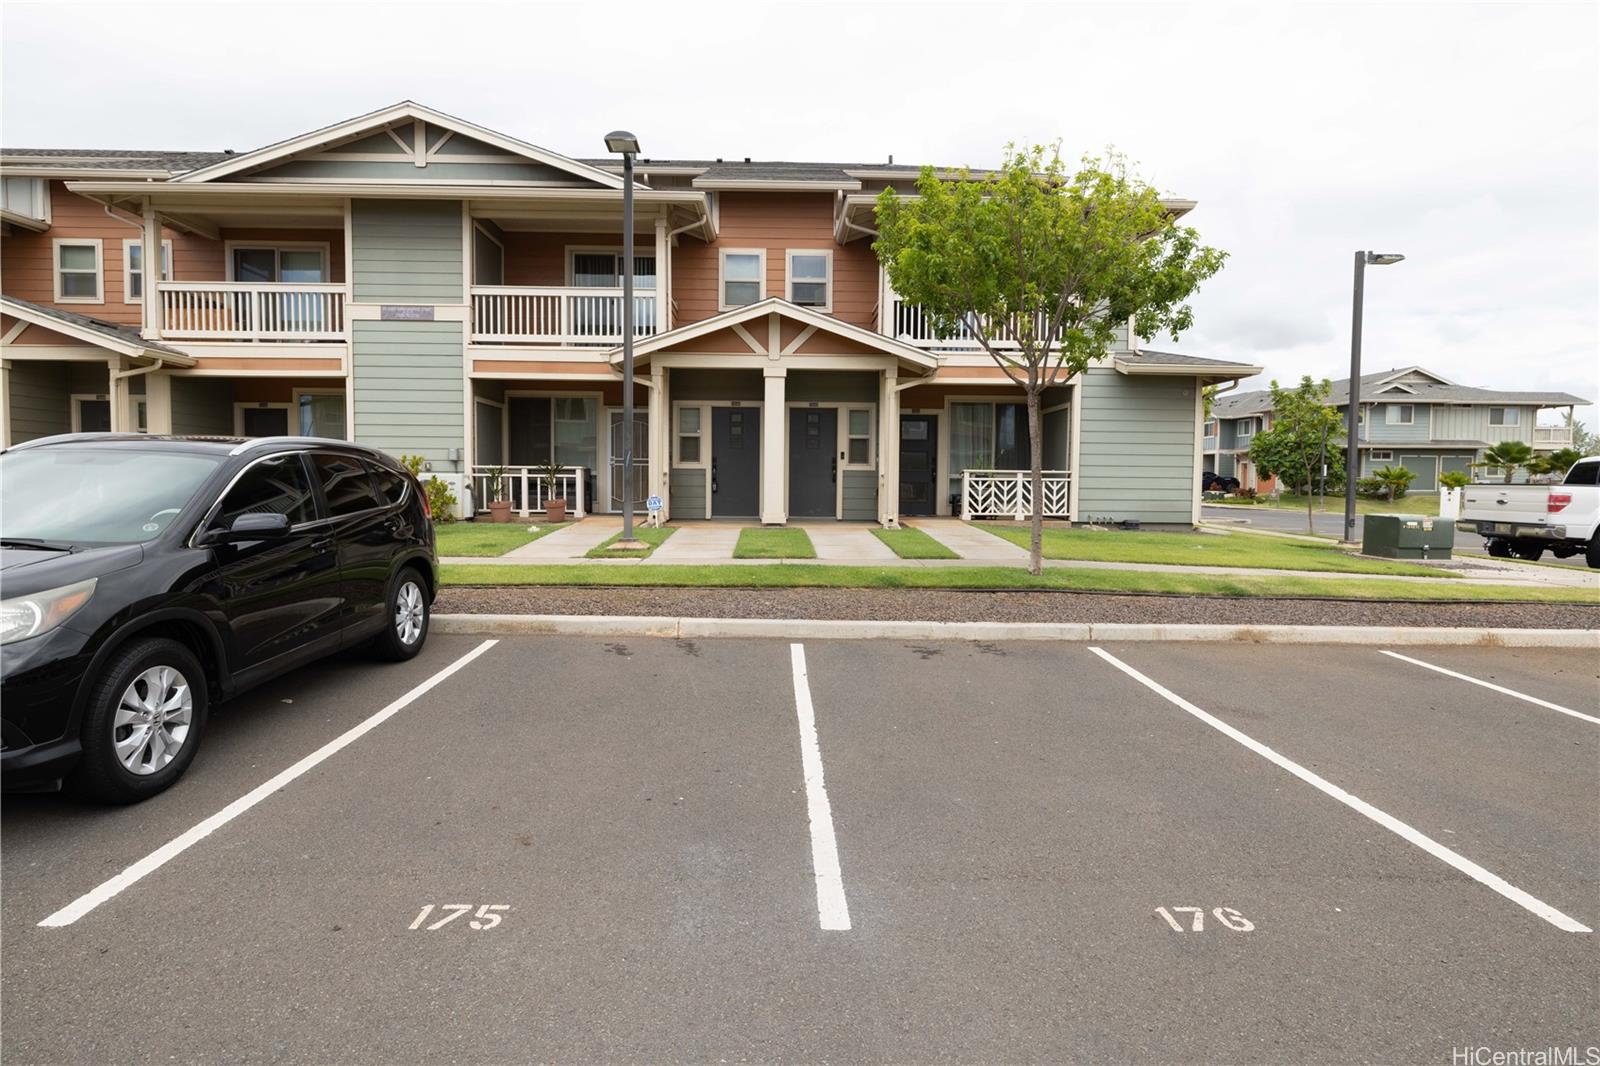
x: 1410, y: 417
x: 417, y: 282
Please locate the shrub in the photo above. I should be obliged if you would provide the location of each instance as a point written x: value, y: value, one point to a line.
x: 1455, y: 479
x: 441, y: 501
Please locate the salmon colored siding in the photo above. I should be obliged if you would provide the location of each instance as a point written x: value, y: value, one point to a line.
x: 775, y: 222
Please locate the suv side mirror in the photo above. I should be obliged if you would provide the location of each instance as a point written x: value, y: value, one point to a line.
x: 265, y: 525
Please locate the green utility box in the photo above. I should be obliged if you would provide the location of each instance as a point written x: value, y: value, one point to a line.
x: 1407, y: 536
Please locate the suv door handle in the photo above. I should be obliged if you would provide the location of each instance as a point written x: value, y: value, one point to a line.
x: 322, y: 544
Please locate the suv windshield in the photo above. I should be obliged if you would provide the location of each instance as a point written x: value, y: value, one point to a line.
x: 96, y: 495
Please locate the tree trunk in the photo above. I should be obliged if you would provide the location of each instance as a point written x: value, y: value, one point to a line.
x: 1036, y: 446
x: 1311, y: 503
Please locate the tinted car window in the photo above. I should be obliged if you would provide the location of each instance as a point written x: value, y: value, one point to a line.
x: 345, y: 484
x: 275, y: 485
x: 1584, y: 474
x: 391, y: 485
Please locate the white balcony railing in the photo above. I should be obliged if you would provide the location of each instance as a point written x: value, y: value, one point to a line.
x: 519, y: 315
x: 524, y: 486
x: 910, y: 323
x: 1552, y: 436
x: 1009, y: 494
x: 250, y: 311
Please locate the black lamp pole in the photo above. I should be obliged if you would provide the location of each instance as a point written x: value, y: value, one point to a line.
x: 628, y: 145
x: 1352, y: 420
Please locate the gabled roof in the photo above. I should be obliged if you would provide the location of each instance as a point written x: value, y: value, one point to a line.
x: 375, y: 121
x: 70, y: 162
x: 1443, y: 392
x: 814, y: 320
x: 1171, y: 363
x: 124, y: 340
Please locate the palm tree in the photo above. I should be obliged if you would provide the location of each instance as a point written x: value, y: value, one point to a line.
x: 1507, y: 456
x: 1395, y: 480
x: 1556, y: 462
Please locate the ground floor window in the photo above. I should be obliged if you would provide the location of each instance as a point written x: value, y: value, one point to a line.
x: 858, y: 428
x: 688, y: 436
x: 989, y: 436
x: 562, y: 429
x: 322, y: 414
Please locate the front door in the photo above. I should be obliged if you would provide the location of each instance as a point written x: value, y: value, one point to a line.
x: 735, y: 461
x: 266, y: 422
x: 641, y: 460
x: 813, y: 462
x: 919, y: 461
x: 94, y: 416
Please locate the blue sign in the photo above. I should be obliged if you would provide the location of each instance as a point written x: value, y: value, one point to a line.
x: 654, y: 503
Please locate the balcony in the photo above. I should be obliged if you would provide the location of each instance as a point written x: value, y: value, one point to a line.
x: 1552, y: 437
x: 908, y: 322
x: 557, y: 316
x: 251, y: 311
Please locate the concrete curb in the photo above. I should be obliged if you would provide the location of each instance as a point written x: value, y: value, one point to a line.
x: 821, y: 629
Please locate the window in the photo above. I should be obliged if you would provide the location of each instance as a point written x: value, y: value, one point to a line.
x: 1400, y: 414
x: 275, y: 485
x: 1504, y: 416
x: 971, y: 437
x: 1382, y: 457
x: 574, y: 429
x: 1246, y: 428
x: 809, y: 277
x: 321, y: 414
x: 78, y: 266
x: 345, y: 484
x: 1211, y: 429
x: 488, y: 258
x: 133, y: 269
x: 391, y: 484
x: 285, y: 264
x: 27, y: 197
x: 602, y: 269
x: 689, y: 436
x: 858, y: 425
x: 743, y: 274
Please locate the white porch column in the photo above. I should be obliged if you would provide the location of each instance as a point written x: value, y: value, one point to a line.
x: 158, y: 401
x: 889, y: 449
x: 774, y: 422
x: 150, y: 271
x: 117, y: 393
x: 655, y: 421
x: 663, y: 279
x: 5, y: 403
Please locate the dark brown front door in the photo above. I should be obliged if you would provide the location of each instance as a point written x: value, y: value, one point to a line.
x: 919, y: 462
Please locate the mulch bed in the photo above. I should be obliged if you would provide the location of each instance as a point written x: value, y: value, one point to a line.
x: 939, y: 605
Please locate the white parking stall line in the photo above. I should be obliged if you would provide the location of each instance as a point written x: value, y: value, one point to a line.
x: 1388, y: 821
x: 1493, y: 687
x: 183, y: 842
x: 833, y: 912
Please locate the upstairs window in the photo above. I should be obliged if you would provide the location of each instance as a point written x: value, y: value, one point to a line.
x: 1504, y: 416
x: 27, y: 197
x: 1400, y: 414
x: 133, y: 269
x: 286, y: 264
x: 743, y: 271
x: 78, y: 271
x: 810, y: 279
x: 602, y: 269
x: 1245, y: 428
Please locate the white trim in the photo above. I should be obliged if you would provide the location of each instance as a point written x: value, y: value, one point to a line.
x: 76, y: 419
x: 1380, y: 455
x: 239, y: 408
x: 130, y: 243
x: 38, y: 222
x: 776, y: 186
x: 1200, y: 422
x: 722, y: 277
x: 702, y: 434
x: 277, y: 248
x: 58, y: 243
x: 1390, y: 414
x: 827, y: 279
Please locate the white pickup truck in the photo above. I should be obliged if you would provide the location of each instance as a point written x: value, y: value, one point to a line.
x: 1525, y: 521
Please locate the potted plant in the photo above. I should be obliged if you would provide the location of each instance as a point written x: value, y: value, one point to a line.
x: 555, y: 507
x: 499, y: 506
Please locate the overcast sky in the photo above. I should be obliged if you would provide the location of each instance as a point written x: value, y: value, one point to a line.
x: 1462, y: 135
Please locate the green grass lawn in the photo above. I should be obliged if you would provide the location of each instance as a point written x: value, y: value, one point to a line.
x: 780, y: 575
x: 1424, y: 503
x: 758, y: 543
x: 1204, y: 549
x: 484, y: 538
x: 649, y: 534
x: 911, y: 543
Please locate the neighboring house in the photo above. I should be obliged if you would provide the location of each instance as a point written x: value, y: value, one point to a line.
x: 419, y: 283
x: 1411, y: 417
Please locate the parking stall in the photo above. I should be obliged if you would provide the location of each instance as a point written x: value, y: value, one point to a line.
x: 586, y: 848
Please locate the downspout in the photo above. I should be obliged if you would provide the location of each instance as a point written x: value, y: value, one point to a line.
x: 122, y: 375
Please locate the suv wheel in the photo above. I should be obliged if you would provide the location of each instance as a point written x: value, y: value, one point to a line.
x: 143, y: 724
x: 406, y: 614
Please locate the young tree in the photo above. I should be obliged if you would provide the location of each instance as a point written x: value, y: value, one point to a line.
x: 1585, y: 442
x: 1042, y: 266
x: 1296, y: 446
x: 1556, y: 462
x: 1395, y: 480
x: 1507, y: 456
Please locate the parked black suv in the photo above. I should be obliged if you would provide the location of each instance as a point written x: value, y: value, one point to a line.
x: 143, y: 579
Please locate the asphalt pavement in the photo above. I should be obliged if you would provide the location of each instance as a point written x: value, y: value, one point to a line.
x: 1332, y: 525
x: 658, y: 850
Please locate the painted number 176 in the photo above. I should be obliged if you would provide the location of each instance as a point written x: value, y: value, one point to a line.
x: 1230, y: 919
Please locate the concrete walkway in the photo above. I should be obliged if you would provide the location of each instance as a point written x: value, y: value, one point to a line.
x: 848, y: 543
x: 566, y: 544
x: 708, y: 542
x: 975, y: 546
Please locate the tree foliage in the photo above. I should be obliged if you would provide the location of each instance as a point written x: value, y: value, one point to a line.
x: 1455, y: 479
x: 1394, y: 480
x: 1585, y: 442
x: 1506, y: 457
x: 1294, y: 449
x: 1041, y: 265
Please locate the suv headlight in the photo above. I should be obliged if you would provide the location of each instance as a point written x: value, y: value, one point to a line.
x: 29, y: 616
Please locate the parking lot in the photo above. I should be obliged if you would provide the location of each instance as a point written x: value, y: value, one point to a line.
x: 873, y: 850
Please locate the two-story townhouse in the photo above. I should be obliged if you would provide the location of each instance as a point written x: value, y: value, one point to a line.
x: 1410, y: 417
x: 420, y: 283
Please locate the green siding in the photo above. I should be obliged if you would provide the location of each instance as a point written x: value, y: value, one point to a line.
x: 39, y: 404
x: 408, y: 388
x: 202, y: 406
x: 1379, y: 431
x: 407, y: 251
x: 860, y: 496
x: 687, y: 486
x: 1136, y: 448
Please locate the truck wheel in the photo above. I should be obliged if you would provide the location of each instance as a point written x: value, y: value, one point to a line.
x: 1498, y: 549
x: 1528, y: 552
x: 1592, y: 556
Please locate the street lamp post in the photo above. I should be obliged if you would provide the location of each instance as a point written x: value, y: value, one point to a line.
x: 627, y: 145
x: 1352, y: 451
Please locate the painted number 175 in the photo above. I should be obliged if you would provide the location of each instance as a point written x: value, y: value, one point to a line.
x: 488, y: 915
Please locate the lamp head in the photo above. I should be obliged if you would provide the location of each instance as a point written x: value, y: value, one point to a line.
x: 622, y: 142
x: 1383, y: 258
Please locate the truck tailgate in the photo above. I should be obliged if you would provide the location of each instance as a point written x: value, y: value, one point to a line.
x: 1524, y: 505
